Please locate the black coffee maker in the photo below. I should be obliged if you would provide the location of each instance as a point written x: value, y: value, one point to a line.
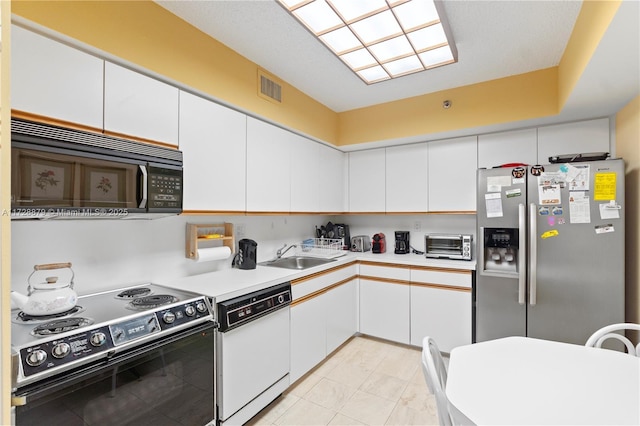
x: 247, y: 254
x: 402, y: 242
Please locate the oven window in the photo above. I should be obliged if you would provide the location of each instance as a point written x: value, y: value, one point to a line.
x: 444, y: 245
x: 170, y: 385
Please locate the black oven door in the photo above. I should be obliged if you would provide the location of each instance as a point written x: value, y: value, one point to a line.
x: 170, y: 382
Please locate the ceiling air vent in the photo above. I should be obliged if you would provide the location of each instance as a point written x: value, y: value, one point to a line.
x: 269, y: 88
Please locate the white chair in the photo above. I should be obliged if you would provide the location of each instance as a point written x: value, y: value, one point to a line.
x: 435, y: 374
x: 609, y: 332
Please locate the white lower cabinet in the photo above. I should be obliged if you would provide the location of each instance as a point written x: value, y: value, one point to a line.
x: 323, y: 316
x: 441, y: 307
x: 308, y: 335
x: 342, y: 314
x: 384, y: 302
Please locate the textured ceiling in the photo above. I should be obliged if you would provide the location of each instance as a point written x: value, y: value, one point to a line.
x: 494, y: 39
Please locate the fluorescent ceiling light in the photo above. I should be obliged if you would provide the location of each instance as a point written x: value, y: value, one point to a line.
x: 380, y: 39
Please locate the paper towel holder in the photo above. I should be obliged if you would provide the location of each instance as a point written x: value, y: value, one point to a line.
x: 210, y: 235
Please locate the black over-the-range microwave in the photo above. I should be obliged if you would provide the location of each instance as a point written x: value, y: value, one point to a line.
x: 64, y: 173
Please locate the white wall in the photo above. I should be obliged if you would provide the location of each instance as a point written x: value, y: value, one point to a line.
x: 113, y: 253
x: 107, y: 254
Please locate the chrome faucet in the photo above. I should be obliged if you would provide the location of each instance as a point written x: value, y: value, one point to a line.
x: 280, y: 251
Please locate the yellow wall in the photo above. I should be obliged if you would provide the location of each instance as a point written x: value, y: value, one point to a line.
x: 628, y: 147
x: 592, y: 22
x: 5, y: 219
x: 504, y: 100
x: 148, y: 35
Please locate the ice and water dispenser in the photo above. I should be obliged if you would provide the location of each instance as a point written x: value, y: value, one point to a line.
x: 500, y: 252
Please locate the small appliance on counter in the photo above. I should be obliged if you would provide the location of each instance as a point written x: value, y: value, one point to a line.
x: 342, y: 232
x: 448, y: 246
x: 402, y: 242
x: 360, y: 243
x: 247, y: 254
x: 378, y: 245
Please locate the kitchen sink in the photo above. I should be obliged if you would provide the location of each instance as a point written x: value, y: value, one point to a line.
x: 297, y: 262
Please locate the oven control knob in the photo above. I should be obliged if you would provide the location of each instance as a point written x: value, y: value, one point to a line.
x: 169, y: 317
x: 281, y: 299
x: 98, y: 339
x: 61, y: 350
x: 190, y: 311
x: 201, y: 307
x: 36, y: 357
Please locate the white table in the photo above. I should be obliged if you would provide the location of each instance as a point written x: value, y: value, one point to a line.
x: 518, y: 380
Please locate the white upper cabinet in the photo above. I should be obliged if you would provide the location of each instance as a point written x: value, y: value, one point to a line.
x: 333, y: 174
x: 268, y: 167
x: 367, y: 181
x: 305, y: 174
x: 573, y: 138
x: 452, y: 174
x: 140, y: 106
x: 407, y: 178
x: 54, y: 80
x: 519, y: 146
x: 213, y: 140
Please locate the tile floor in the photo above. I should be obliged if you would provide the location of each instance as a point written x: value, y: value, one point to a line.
x: 365, y: 382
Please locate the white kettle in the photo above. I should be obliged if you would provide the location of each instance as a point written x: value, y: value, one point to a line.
x: 49, y: 297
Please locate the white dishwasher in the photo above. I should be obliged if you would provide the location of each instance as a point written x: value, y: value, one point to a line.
x: 253, y: 357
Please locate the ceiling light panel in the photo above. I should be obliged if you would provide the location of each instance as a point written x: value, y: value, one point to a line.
x: 416, y: 13
x: 352, y: 10
x: 378, y: 27
x: 392, y: 49
x: 341, y: 40
x: 379, y: 39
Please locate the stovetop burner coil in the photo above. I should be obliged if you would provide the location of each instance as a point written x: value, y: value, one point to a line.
x: 36, y: 319
x: 60, y: 326
x: 133, y: 293
x: 149, y: 302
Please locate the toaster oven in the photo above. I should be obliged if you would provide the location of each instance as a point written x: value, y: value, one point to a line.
x: 448, y: 246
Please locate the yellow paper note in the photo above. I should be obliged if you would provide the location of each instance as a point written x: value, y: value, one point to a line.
x: 604, y: 186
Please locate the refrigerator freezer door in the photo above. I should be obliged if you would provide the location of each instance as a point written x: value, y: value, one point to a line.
x: 500, y: 214
x: 577, y: 256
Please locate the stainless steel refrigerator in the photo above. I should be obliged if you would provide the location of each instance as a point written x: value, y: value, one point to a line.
x: 550, y: 250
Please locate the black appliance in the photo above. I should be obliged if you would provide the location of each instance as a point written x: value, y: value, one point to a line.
x: 71, y: 174
x: 136, y: 355
x: 402, y: 242
x: 378, y: 245
x: 247, y: 254
x: 341, y: 231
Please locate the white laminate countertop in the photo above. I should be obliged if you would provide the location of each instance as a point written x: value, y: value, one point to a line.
x: 229, y: 283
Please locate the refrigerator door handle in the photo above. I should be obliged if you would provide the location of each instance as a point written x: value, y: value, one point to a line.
x: 522, y: 258
x: 533, y: 254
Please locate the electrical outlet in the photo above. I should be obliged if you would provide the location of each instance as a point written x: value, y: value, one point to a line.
x: 417, y: 226
x: 240, y: 230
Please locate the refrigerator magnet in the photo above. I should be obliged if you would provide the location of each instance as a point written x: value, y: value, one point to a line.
x: 604, y: 229
x: 518, y: 172
x: 557, y: 211
x: 549, y: 234
x: 513, y: 193
x: 537, y: 170
x: 543, y: 211
x: 551, y: 220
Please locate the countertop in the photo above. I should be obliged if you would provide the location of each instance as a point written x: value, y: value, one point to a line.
x: 229, y: 283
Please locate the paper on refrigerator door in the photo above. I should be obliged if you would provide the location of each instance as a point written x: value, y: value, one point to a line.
x: 493, y: 202
x: 549, y: 189
x: 604, y: 186
x: 579, y: 208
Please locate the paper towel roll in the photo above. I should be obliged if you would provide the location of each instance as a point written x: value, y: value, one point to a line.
x: 213, y: 253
